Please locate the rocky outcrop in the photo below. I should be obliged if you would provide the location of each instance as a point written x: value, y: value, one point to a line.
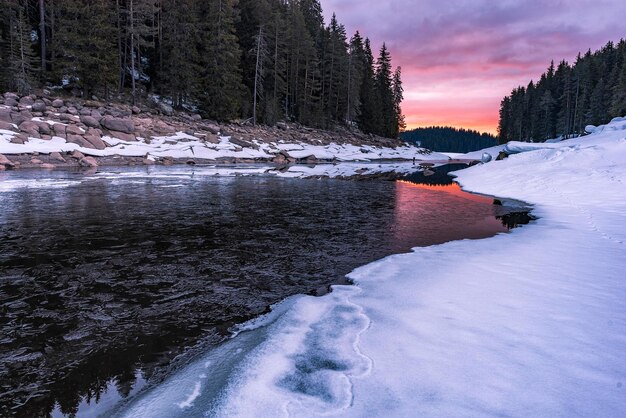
x: 88, y: 123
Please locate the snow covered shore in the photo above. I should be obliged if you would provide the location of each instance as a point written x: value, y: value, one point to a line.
x: 531, y: 323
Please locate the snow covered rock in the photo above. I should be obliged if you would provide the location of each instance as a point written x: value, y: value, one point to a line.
x: 486, y: 157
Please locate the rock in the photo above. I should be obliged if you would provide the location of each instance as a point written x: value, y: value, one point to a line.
x: 44, y: 128
x: 166, y: 109
x: 72, y: 111
x: 590, y: 129
x: 59, y: 129
x: 93, y: 103
x: 88, y: 162
x: 148, y: 161
x: 48, y: 166
x: 486, y: 157
x: 280, y: 159
x: 7, y: 126
x: 18, y: 118
x: 5, y: 162
x: 90, y: 121
x: 501, y: 156
x: 27, y: 101
x: 282, y: 125
x: 123, y: 136
x: 39, y: 106
x: 74, y: 130
x: 5, y: 115
x: 30, y: 128
x: 57, y: 157
x: 78, y: 155
x: 10, y: 102
x: 95, y: 141
x: 214, y: 129
x: 96, y: 115
x: 136, y: 110
x: 196, y: 117
x: 120, y: 125
x: 9, y: 95
x: 79, y: 140
x: 36, y: 161
x: 58, y: 103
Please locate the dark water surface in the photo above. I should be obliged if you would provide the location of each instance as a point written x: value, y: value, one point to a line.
x: 104, y: 280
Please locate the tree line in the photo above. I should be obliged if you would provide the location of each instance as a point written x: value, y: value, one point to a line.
x: 449, y: 139
x: 568, y: 97
x: 262, y: 60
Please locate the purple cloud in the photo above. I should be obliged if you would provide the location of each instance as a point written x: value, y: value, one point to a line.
x: 476, y: 51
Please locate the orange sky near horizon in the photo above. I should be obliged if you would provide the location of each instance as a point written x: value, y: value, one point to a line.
x: 459, y: 58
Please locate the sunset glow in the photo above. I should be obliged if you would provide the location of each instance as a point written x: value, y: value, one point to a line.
x: 461, y: 57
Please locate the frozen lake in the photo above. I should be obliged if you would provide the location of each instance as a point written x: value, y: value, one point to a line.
x: 112, y: 279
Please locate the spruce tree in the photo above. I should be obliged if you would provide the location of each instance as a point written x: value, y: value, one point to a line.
x: 221, y: 86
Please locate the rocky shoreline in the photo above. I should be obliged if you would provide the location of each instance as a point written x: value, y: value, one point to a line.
x: 48, y: 132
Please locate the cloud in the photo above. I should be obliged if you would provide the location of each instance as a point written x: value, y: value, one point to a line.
x: 477, y: 51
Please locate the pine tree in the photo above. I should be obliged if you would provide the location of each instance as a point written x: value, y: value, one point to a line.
x: 398, y: 95
x: 19, y: 58
x: 384, y: 89
x: 85, y: 46
x: 220, y: 80
x: 369, y: 119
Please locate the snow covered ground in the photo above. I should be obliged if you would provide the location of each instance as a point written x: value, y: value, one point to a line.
x: 181, y: 145
x: 531, y: 323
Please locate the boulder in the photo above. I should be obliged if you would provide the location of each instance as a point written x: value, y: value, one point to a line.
x: 136, y: 110
x: 18, y: 118
x: 48, y: 166
x: 58, y: 103
x: 78, y: 155
x: 90, y: 121
x: 57, y: 157
x: 36, y: 161
x: 5, y: 162
x: 59, y: 129
x: 96, y: 115
x: 9, y: 95
x: 7, y: 126
x: 27, y: 101
x: 39, y: 106
x: 10, y: 102
x: 88, y: 162
x: 119, y: 125
x: 74, y: 130
x: 123, y: 136
x: 95, y: 141
x: 5, y: 115
x: 30, y: 128
x: 214, y: 129
x: 44, y: 128
x: 79, y: 140
x: 166, y: 109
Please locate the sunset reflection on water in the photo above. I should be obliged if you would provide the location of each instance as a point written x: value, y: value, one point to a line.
x: 434, y: 214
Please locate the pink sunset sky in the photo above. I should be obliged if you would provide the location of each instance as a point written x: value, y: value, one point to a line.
x: 461, y: 57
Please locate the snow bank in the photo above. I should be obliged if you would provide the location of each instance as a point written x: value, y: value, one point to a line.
x: 531, y: 323
x: 181, y: 145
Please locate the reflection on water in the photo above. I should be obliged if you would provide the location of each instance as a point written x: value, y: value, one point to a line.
x: 104, y: 282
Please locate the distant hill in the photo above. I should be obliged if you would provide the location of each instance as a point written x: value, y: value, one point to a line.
x: 448, y: 139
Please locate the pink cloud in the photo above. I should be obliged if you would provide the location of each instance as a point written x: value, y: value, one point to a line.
x: 460, y: 53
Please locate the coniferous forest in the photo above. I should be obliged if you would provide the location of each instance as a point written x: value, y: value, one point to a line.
x: 449, y: 139
x: 568, y: 97
x: 257, y: 60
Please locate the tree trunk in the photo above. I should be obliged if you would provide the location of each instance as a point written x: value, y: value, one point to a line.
x: 42, y: 34
x: 132, y: 48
